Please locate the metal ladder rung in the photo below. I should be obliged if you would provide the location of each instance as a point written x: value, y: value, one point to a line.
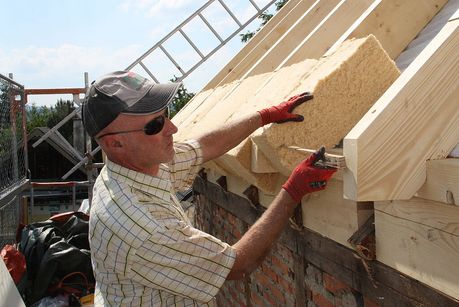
x: 255, y: 6
x: 191, y: 43
x: 148, y: 71
x: 171, y: 59
x: 180, y: 27
x: 231, y: 13
x: 211, y: 28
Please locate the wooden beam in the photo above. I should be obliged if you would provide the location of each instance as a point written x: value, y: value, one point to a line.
x: 262, y: 41
x: 303, y: 28
x: 442, y: 183
x: 417, y: 119
x: 421, y: 239
x: 329, y: 30
x: 329, y: 214
x: 397, y: 22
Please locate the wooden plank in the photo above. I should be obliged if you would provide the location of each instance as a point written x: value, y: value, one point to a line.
x: 197, y: 108
x: 329, y: 214
x: 397, y: 22
x: 386, y: 151
x: 442, y: 183
x: 329, y: 30
x: 426, y: 35
x: 421, y: 239
x: 303, y: 28
x: 262, y: 41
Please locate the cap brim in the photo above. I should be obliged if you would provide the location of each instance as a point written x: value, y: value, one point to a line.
x: 156, y: 99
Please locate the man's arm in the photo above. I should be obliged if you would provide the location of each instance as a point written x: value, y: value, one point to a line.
x: 221, y: 139
x: 218, y: 141
x: 256, y: 242
x: 254, y: 245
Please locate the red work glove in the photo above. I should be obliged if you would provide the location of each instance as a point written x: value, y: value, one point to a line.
x: 307, y: 178
x: 283, y: 113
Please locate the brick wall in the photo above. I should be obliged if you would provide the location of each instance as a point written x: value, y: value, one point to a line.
x: 274, y: 282
x: 303, y: 268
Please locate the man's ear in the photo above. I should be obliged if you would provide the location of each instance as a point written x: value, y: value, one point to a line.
x: 111, y: 142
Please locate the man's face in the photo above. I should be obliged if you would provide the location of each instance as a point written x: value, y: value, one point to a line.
x: 137, y: 150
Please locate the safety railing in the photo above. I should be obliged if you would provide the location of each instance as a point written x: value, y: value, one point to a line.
x: 13, y: 156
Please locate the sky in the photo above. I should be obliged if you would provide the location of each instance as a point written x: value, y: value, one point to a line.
x: 52, y: 43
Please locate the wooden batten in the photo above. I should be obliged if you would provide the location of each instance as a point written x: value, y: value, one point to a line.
x: 329, y: 214
x: 329, y: 30
x: 417, y: 119
x: 442, y: 183
x: 397, y: 22
x: 420, y: 238
x: 303, y: 28
x: 261, y: 42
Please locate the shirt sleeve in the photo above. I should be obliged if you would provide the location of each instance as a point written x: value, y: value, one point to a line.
x: 184, y: 261
x: 186, y: 164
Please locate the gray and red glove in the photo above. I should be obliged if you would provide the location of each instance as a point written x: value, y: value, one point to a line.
x: 307, y: 178
x: 283, y: 112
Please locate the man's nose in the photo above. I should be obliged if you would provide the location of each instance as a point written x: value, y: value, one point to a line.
x: 170, y: 128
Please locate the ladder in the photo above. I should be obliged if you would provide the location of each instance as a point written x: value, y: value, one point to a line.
x: 160, y: 45
x: 198, y: 16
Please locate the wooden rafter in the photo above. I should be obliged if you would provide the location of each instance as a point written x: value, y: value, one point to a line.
x: 417, y: 119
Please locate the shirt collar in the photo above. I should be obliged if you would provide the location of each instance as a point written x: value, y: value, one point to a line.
x: 159, y: 186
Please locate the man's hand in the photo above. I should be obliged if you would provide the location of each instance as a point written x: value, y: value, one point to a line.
x: 307, y: 178
x: 283, y: 112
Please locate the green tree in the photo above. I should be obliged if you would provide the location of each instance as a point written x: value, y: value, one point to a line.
x: 264, y: 17
x: 180, y: 100
x: 50, y: 116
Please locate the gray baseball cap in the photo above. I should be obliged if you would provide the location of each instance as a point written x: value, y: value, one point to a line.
x: 123, y: 92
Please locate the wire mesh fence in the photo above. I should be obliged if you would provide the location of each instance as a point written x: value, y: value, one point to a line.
x: 13, y: 156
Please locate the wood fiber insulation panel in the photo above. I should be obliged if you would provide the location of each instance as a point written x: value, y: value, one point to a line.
x: 278, y: 87
x: 395, y: 23
x: 420, y: 238
x: 442, y: 182
x: 329, y: 214
x: 263, y: 40
x: 417, y: 119
x: 345, y: 85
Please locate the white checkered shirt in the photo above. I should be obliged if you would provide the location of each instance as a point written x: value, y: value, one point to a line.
x: 145, y: 252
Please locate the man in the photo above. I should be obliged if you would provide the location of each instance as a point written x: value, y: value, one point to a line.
x: 145, y: 252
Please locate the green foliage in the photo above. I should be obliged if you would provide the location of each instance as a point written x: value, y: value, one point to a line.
x: 264, y: 17
x: 50, y: 116
x: 180, y: 100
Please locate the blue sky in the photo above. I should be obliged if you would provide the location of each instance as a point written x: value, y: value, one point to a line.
x: 51, y: 43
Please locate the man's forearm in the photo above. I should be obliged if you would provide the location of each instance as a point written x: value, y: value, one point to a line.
x: 256, y: 242
x: 218, y: 141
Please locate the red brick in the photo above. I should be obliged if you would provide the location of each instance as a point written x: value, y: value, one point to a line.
x: 270, y: 273
x: 256, y: 300
x: 283, y: 268
x: 321, y: 301
x: 332, y: 284
x: 279, y: 296
x: 287, y: 285
x: 370, y: 303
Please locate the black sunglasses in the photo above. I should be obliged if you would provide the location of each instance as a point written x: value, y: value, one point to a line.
x: 154, y: 126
